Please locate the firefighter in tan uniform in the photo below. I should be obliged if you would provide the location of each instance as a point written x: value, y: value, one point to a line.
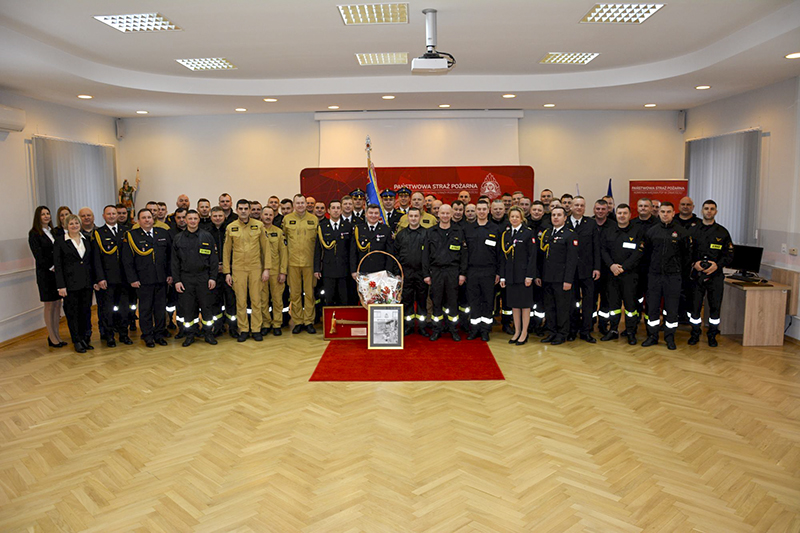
x: 246, y: 260
x: 272, y: 293
x: 300, y: 229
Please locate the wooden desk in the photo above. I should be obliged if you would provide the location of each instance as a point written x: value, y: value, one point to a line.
x: 756, y: 312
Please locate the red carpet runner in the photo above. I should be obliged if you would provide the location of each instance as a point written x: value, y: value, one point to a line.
x: 420, y: 360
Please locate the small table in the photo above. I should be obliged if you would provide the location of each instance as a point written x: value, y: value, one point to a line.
x: 755, y: 311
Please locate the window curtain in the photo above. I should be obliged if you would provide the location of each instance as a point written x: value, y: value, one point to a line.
x: 726, y: 169
x: 74, y: 174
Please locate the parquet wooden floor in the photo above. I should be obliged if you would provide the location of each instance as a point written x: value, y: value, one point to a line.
x: 234, y: 438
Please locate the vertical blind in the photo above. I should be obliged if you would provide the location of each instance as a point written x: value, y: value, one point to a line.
x: 726, y: 169
x: 74, y: 174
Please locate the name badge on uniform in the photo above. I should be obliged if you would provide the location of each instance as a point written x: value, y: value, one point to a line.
x: 629, y: 245
x: 292, y: 222
x: 716, y: 247
x: 273, y: 234
x: 205, y: 251
x: 310, y: 222
x: 455, y: 247
x: 489, y: 242
x: 234, y: 228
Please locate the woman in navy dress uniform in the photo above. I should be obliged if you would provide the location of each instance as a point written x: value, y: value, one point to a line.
x: 517, y: 272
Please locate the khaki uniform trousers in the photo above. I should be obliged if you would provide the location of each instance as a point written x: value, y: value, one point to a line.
x: 248, y: 282
x: 272, y: 294
x: 301, y: 280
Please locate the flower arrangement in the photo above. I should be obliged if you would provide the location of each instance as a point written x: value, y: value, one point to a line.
x: 379, y: 287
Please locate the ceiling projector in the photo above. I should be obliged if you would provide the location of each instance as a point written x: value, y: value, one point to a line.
x: 432, y: 61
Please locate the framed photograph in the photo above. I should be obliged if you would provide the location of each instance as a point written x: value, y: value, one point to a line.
x: 385, y: 327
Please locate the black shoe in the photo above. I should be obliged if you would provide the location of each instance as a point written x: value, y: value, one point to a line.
x: 87, y: 345
x: 409, y: 330
x: 650, y: 341
x: 265, y: 331
x: 111, y: 343
x: 694, y: 339
x: 161, y: 342
x: 125, y: 340
x: 181, y: 334
x: 712, y: 341
x: 512, y: 341
x: 435, y: 335
x: 188, y: 341
x: 297, y: 329
x: 611, y: 335
x: 242, y: 337
x: 557, y: 340
x: 624, y: 333
x: 632, y: 340
x: 79, y: 347
x: 671, y: 344
x: 549, y: 338
x: 520, y: 343
x: 456, y: 336
x: 277, y: 332
x: 210, y: 339
x: 485, y: 336
x: 473, y: 335
x: 55, y: 344
x: 588, y: 338
x: 310, y: 329
x: 571, y: 337
x: 150, y: 344
x: 258, y: 337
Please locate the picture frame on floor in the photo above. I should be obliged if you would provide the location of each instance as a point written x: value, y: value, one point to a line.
x: 385, y: 327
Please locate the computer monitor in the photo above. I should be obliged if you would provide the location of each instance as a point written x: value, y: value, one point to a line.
x: 746, y: 258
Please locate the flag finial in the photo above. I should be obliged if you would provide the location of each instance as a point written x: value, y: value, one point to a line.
x: 369, y: 145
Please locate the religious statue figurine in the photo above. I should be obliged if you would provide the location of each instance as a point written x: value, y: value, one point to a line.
x: 127, y: 194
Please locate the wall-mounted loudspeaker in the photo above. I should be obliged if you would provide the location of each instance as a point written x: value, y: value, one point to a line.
x: 120, y: 128
x: 681, y: 120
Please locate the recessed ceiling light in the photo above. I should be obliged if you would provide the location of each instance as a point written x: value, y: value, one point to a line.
x: 240, y: 109
x: 444, y: 105
x: 620, y: 13
x: 270, y: 99
x: 509, y: 96
x: 141, y: 112
x: 333, y: 107
x: 207, y: 63
x: 142, y: 22
x: 568, y: 58
x: 703, y: 87
x: 795, y: 55
x: 649, y: 105
x: 388, y: 97
x: 85, y: 96
x: 374, y: 14
x: 549, y: 105
x: 382, y: 58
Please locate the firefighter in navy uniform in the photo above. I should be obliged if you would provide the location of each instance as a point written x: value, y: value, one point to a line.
x: 588, y: 271
x: 332, y: 255
x: 223, y: 296
x: 560, y: 247
x: 712, y: 249
x: 622, y: 250
x: 114, y: 290
x: 370, y: 236
x: 408, y: 245
x: 483, y: 271
x: 647, y: 218
x: 668, y: 247
x: 391, y: 215
x: 146, y: 258
x: 444, y: 267
x: 195, y: 266
x: 538, y: 223
x: 689, y: 221
x: 359, y: 210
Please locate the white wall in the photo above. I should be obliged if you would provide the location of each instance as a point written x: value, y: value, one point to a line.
x: 773, y: 109
x: 248, y: 156
x: 20, y: 309
x: 588, y: 147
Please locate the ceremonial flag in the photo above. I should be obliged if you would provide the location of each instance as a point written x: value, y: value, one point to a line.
x: 373, y: 193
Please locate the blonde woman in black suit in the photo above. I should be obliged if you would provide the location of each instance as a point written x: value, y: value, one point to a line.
x: 74, y: 279
x: 40, y: 241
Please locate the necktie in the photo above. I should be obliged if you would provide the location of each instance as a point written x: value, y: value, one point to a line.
x: 150, y: 234
x: 114, y: 231
x: 372, y: 228
x: 513, y: 233
x: 335, y: 226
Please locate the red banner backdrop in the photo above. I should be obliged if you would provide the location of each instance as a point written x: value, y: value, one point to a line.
x: 326, y: 184
x: 663, y: 190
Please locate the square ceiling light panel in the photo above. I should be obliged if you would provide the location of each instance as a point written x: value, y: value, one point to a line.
x: 355, y: 14
x: 387, y: 58
x: 142, y: 22
x: 207, y: 63
x: 568, y: 58
x: 620, y: 13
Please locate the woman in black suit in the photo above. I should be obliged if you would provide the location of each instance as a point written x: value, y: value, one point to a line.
x: 40, y: 241
x: 517, y: 272
x: 74, y: 279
